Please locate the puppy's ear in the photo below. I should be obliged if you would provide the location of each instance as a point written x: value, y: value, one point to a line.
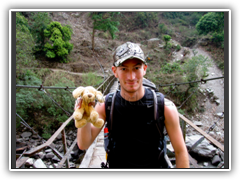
x: 78, y: 92
x: 99, y: 96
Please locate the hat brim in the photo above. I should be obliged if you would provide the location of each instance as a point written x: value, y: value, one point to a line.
x: 122, y: 60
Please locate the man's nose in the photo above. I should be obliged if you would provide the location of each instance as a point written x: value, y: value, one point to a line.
x: 131, y: 75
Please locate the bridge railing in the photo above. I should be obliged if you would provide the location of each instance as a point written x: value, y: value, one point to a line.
x: 104, y: 88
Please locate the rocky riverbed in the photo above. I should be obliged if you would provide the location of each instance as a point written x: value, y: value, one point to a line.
x: 26, y: 140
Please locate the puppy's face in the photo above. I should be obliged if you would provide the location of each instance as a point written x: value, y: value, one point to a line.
x: 88, y: 95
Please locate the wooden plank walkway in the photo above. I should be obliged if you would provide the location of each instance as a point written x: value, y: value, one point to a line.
x: 96, y: 154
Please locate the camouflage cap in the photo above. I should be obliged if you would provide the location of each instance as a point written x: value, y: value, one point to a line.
x: 126, y: 51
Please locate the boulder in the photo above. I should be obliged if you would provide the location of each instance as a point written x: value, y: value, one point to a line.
x: 198, y: 123
x: 204, y: 149
x: 26, y: 134
x: 216, y: 160
x: 39, y: 164
x: 49, y: 155
x: 29, y: 162
x: 153, y: 43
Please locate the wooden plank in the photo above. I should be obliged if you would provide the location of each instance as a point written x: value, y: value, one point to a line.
x: 50, y: 140
x: 88, y: 156
x: 207, y: 136
x: 21, y: 161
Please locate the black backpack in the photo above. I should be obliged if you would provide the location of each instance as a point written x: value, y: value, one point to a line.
x: 158, y: 116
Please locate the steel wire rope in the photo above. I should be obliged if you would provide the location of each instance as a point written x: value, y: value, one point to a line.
x: 42, y: 89
x: 23, y: 122
x: 202, y: 81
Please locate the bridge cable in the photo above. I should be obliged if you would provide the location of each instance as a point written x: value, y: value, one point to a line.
x: 26, y: 125
x: 203, y: 81
x: 42, y: 89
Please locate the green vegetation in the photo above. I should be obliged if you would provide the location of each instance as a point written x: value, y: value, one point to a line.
x: 24, y: 54
x: 39, y: 22
x: 104, y: 22
x: 58, y: 46
x: 32, y: 102
x: 212, y: 23
x: 91, y: 79
x: 166, y: 38
x: 144, y: 19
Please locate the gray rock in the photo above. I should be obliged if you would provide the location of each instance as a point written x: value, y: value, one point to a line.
x: 48, y: 150
x: 59, y: 137
x: 216, y: 160
x: 198, y: 123
x: 204, y: 149
x: 205, y: 164
x: 220, y: 114
x: 49, y: 155
x: 209, y: 91
x: 56, y: 159
x: 217, y: 102
x: 39, y: 164
x: 29, y: 162
x: 26, y: 134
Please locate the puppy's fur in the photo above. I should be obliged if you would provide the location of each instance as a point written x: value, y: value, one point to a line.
x: 87, y: 113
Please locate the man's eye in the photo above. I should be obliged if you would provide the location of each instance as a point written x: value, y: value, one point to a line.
x: 123, y: 69
x: 137, y: 68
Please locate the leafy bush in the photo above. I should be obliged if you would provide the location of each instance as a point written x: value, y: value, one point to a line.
x: 169, y: 68
x: 211, y: 22
x: 196, y: 67
x: 166, y: 38
x: 58, y: 46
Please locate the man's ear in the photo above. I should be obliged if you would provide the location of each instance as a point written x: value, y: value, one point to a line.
x: 114, y: 70
x: 144, y: 69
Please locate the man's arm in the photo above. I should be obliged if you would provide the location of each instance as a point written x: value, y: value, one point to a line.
x: 175, y: 135
x: 87, y: 134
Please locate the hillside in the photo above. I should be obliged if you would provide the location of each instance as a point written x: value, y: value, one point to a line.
x: 161, y: 61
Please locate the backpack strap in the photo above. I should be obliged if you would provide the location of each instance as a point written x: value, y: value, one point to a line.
x: 109, y: 103
x: 158, y: 100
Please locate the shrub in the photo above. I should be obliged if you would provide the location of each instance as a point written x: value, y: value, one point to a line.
x: 58, y: 46
x: 211, y: 22
x: 169, y: 68
x: 166, y: 38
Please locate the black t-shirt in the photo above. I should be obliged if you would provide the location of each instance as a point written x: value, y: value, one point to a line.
x: 135, y: 133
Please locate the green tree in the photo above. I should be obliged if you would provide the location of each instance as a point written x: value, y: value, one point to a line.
x: 211, y: 22
x: 39, y: 22
x: 58, y: 45
x: 103, y: 21
x: 166, y: 38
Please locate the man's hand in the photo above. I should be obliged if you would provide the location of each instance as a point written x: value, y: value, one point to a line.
x: 78, y: 103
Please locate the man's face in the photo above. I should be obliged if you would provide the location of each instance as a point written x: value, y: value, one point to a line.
x: 130, y: 75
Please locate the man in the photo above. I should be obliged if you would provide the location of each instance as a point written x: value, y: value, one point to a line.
x: 136, y: 139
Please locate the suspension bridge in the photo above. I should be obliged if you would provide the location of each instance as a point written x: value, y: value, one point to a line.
x: 95, y: 154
